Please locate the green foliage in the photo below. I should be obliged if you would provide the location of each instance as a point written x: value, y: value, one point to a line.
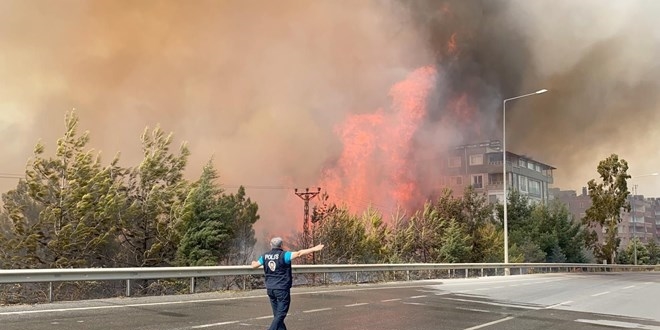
x: 522, y: 248
x: 64, y: 213
x: 627, y: 255
x: 344, y: 237
x: 151, y: 223
x: 242, y: 215
x: 396, y: 242
x: 654, y: 252
x: 72, y: 211
x: 556, y: 234
x: 608, y: 198
x: 19, y: 237
x: 455, y: 244
x: 206, y: 230
x: 424, y: 233
x: 375, y: 247
x: 491, y: 243
x: 527, y: 251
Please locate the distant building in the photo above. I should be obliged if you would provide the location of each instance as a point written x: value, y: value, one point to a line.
x: 480, y: 165
x: 643, y: 220
x: 577, y: 204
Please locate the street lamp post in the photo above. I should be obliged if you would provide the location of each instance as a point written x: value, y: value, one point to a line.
x: 506, y: 230
x: 634, y: 221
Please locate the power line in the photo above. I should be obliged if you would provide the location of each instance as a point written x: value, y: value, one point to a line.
x: 256, y: 187
x: 11, y: 176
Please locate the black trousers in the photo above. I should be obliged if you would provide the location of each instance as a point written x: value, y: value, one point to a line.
x: 279, y: 301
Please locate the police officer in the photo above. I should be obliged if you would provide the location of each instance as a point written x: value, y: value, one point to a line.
x: 277, y: 270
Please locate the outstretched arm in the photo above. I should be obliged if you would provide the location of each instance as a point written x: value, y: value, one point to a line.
x: 255, y: 264
x: 301, y: 253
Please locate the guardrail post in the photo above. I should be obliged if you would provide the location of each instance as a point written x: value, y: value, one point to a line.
x: 407, y: 275
x: 192, y: 285
x: 467, y: 273
x: 482, y: 272
x: 356, y: 277
x: 244, y: 282
x: 128, y: 288
x: 50, y: 291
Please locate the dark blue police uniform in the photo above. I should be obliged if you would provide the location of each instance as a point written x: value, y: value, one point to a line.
x: 277, y: 270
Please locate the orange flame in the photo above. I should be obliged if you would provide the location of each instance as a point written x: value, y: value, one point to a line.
x: 375, y: 168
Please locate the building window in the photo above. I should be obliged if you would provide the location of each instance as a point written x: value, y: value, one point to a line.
x: 538, y: 168
x: 495, y: 159
x: 457, y: 180
x: 454, y: 161
x: 493, y: 199
x: 522, y: 183
x: 478, y: 181
x: 530, y: 166
x: 522, y: 163
x: 534, y: 187
x: 477, y: 159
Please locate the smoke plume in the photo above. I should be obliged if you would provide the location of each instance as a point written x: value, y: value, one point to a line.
x: 263, y: 86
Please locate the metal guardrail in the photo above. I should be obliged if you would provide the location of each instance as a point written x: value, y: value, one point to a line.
x: 128, y: 274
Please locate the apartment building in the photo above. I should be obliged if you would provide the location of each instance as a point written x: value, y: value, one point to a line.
x: 643, y: 220
x: 577, y: 204
x: 480, y: 165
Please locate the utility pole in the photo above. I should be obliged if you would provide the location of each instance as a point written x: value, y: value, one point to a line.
x: 306, y: 196
x: 634, y: 223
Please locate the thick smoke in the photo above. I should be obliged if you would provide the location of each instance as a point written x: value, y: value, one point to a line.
x: 597, y: 58
x: 258, y: 85
x: 261, y: 86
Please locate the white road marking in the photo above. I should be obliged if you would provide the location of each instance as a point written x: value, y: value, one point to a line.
x: 490, y: 323
x: 494, y: 303
x: 357, y: 304
x: 619, y: 324
x: 559, y: 304
x: 473, y: 310
x: 629, y: 287
x: 213, y: 324
x: 414, y: 303
x: 388, y: 300
x: 73, y: 309
x: 417, y: 297
x: 263, y: 317
x: 317, y: 310
x: 498, y: 287
x: 600, y: 294
x: 124, y: 306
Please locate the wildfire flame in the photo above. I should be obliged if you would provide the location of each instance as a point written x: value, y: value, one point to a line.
x: 375, y: 167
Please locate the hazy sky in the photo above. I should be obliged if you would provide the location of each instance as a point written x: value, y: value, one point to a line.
x: 263, y: 86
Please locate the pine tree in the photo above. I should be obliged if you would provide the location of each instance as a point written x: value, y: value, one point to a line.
x: 150, y: 225
x: 76, y: 200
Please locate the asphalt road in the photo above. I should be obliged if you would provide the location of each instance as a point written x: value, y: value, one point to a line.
x: 552, y: 301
